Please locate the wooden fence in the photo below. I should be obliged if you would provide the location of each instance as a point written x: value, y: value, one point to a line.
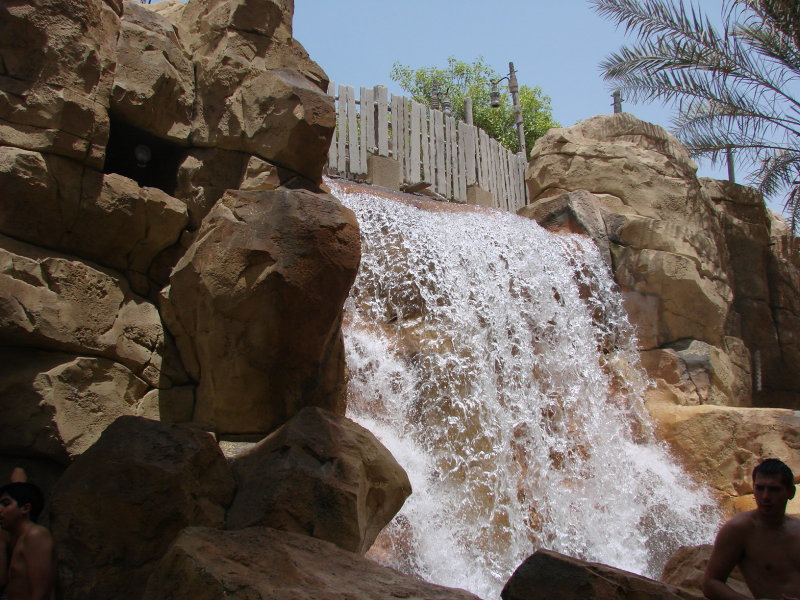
x: 432, y: 147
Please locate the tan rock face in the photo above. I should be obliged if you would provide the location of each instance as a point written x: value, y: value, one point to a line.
x: 257, y: 90
x: 57, y: 303
x: 353, y: 486
x: 692, y: 257
x: 109, y: 219
x: 206, y: 564
x: 255, y: 306
x: 57, y: 68
x: 723, y: 444
x: 154, y: 77
x: 117, y: 508
x: 56, y: 405
x: 686, y: 567
x: 548, y: 575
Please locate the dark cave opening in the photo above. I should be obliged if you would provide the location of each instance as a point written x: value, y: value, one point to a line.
x: 143, y: 157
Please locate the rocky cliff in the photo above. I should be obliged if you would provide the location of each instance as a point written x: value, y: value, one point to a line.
x: 710, y: 280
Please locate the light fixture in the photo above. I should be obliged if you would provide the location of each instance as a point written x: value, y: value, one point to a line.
x: 143, y: 155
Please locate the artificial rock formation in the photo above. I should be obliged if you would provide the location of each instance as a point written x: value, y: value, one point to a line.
x: 352, y: 484
x: 694, y: 258
x: 262, y: 563
x: 709, y: 279
x: 255, y: 305
x: 121, y: 126
x: 548, y: 575
x: 120, y: 504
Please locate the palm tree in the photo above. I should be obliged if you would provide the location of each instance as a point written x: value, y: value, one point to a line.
x: 735, y: 90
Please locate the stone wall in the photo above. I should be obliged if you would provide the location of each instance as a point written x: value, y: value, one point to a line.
x: 130, y: 284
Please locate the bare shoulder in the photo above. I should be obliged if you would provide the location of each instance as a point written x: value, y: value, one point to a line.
x: 37, y: 536
x: 741, y: 524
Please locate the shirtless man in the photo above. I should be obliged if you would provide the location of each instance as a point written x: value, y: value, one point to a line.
x: 764, y: 543
x: 31, y: 571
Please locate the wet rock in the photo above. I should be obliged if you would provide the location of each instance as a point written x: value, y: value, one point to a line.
x: 351, y: 483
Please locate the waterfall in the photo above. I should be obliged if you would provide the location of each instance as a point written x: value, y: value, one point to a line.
x: 496, y: 363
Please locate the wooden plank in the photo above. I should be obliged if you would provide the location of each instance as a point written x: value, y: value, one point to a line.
x: 428, y: 149
x: 496, y: 190
x: 382, y: 111
x: 368, y: 119
x: 449, y: 147
x: 462, y: 162
x: 407, y: 167
x: 363, y: 109
x: 415, y: 174
x: 468, y: 139
x: 398, y: 147
x: 439, y: 143
x: 332, y: 156
x: 352, y: 131
x: 341, y: 144
x: 484, y: 181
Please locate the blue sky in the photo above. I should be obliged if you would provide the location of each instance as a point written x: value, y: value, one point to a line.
x: 555, y: 44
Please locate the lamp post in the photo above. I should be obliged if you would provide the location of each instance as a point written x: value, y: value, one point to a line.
x: 513, y: 87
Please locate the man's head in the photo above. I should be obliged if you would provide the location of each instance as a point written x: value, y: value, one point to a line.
x: 773, y: 487
x: 772, y: 467
x: 27, y: 496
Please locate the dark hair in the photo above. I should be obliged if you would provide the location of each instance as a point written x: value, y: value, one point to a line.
x: 23, y: 492
x: 772, y: 467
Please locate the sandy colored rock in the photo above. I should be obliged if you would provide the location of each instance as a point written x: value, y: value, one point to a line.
x: 698, y: 373
x: 55, y: 302
x: 204, y: 175
x: 264, y: 564
x: 686, y: 567
x: 257, y: 90
x: 118, y: 507
x: 154, y: 77
x: 56, y: 405
x: 573, y: 212
x: 255, y: 307
x: 62, y: 205
x: 548, y: 575
x: 58, y: 68
x: 721, y: 445
x: 351, y: 483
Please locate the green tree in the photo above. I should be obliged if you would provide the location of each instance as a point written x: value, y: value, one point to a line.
x: 460, y: 80
x: 735, y: 90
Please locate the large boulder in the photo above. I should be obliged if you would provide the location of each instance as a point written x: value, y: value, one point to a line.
x: 118, y: 507
x: 351, y: 484
x: 548, y: 575
x: 57, y: 72
x: 256, y: 304
x: 704, y: 281
x: 264, y: 564
x: 257, y: 90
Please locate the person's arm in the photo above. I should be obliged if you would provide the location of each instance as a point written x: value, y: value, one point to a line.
x: 728, y: 551
x: 5, y: 542
x: 39, y: 563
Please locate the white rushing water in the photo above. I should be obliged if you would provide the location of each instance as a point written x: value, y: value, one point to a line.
x: 495, y: 361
